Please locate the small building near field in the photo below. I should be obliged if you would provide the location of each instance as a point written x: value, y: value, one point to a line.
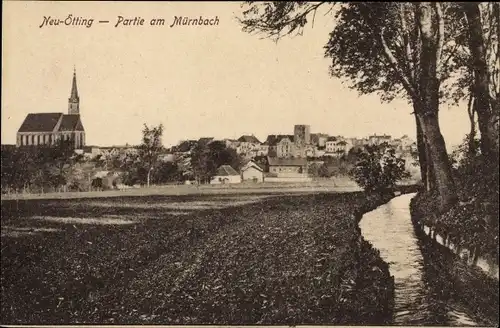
x: 287, y: 166
x: 226, y: 175
x: 252, y: 172
x: 287, y: 170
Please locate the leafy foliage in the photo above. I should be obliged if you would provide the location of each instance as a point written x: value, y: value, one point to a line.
x: 37, y: 168
x: 473, y: 222
x: 278, y: 18
x: 378, y: 168
x: 150, y: 148
x: 206, y: 158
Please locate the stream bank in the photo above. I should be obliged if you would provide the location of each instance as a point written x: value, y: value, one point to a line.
x: 427, y: 282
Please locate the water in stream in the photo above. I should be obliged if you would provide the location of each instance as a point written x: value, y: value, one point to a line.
x: 418, y: 301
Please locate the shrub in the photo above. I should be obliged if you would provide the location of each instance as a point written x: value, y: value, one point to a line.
x: 378, y: 168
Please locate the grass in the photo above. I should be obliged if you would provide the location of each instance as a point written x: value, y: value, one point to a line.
x: 177, y: 190
x: 204, y: 259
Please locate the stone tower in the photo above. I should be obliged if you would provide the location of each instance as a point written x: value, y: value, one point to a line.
x: 302, y: 134
x: 74, y: 100
x: 302, y: 137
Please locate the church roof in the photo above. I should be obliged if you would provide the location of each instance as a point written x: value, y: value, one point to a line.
x: 47, y: 122
x: 71, y: 122
x: 40, y: 122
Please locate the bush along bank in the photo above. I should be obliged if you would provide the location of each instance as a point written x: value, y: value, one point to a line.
x: 446, y: 239
x: 470, y: 227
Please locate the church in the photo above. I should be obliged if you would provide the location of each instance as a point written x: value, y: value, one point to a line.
x: 48, y: 128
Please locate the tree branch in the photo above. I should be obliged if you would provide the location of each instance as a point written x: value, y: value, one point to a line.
x: 406, y: 42
x: 444, y: 65
x: 274, y: 25
x: 395, y: 65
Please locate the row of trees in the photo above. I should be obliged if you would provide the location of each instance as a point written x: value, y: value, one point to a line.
x: 51, y: 168
x: 40, y: 168
x: 428, y: 53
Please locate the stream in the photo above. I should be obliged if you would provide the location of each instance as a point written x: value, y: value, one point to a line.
x: 419, y: 300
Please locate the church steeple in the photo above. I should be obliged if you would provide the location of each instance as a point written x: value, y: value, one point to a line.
x: 74, y: 100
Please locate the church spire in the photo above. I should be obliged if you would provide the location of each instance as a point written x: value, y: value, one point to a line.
x: 74, y: 100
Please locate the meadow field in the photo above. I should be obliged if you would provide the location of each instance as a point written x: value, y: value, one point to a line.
x: 245, y: 258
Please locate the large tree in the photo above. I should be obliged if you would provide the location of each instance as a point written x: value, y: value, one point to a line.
x: 150, y: 148
x: 482, y: 22
x: 207, y: 157
x: 475, y: 70
x: 395, y: 49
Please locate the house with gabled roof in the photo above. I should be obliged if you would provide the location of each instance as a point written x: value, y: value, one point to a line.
x: 47, y: 129
x: 287, y: 166
x: 280, y: 145
x: 226, y: 174
x: 252, y: 171
x: 248, y: 145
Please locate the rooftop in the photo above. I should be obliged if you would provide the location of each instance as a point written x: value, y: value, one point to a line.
x: 273, y: 139
x: 247, y: 138
x: 40, y: 122
x: 226, y: 170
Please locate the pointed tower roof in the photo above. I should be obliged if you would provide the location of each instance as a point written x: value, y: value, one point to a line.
x: 74, y: 89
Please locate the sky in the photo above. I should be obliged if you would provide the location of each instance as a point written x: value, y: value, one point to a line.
x: 198, y: 81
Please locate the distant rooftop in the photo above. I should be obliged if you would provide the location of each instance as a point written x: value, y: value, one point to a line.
x: 226, y: 170
x: 246, y: 138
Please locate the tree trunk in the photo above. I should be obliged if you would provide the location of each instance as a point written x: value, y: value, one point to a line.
x: 428, y: 104
x: 422, y: 155
x: 148, y: 178
x: 486, y: 118
x: 429, y: 172
x: 440, y: 167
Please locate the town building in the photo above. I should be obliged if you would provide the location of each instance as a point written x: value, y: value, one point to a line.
x: 287, y: 170
x: 225, y: 174
x: 248, y: 145
x: 252, y: 172
x: 263, y: 150
x: 377, y: 140
x: 287, y: 166
x: 319, y: 139
x: 272, y: 143
x: 285, y: 147
x: 47, y: 129
x: 231, y: 143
